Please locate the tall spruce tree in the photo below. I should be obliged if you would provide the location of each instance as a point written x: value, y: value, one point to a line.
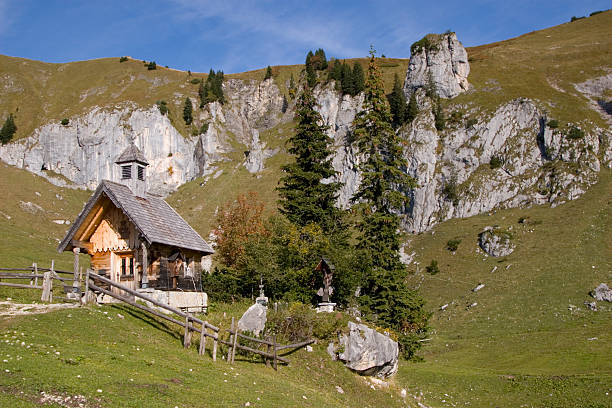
x: 348, y: 85
x: 8, y: 129
x: 187, y: 112
x: 358, y: 78
x: 397, y: 103
x: 304, y: 198
x: 386, y: 297
x: 412, y: 110
x: 268, y: 73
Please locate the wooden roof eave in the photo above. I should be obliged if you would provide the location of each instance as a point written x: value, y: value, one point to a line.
x: 69, y: 242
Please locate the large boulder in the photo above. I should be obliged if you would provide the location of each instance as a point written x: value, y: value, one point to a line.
x: 369, y: 352
x: 496, y: 242
x: 602, y: 292
x: 441, y: 57
x: 253, y: 320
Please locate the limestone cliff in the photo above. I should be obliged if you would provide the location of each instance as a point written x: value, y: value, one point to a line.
x: 442, y: 59
x: 505, y: 158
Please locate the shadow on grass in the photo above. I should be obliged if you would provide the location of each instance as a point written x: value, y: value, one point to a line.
x: 152, y: 321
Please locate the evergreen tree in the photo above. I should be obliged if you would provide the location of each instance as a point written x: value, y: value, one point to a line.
x: 430, y: 87
x: 347, y: 79
x: 440, y: 119
x: 358, y: 79
x: 8, y: 129
x: 386, y: 298
x: 308, y: 58
x: 336, y: 71
x: 268, y: 73
x: 212, y: 89
x: 321, y: 60
x: 187, y: 112
x: 412, y: 110
x: 304, y: 198
x: 397, y: 103
x: 311, y: 76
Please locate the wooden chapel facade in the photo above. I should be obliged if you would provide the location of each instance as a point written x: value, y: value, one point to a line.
x: 135, y: 238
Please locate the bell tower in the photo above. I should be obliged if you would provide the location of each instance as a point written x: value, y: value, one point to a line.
x: 132, y: 172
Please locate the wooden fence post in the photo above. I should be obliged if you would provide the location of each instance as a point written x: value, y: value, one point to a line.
x: 234, y: 343
x: 274, y: 362
x: 203, y: 333
x: 215, y: 345
x: 85, y: 297
x: 266, y: 359
x: 47, y: 288
x: 35, y: 273
x: 75, y: 283
x: 187, y: 338
x: 231, y: 341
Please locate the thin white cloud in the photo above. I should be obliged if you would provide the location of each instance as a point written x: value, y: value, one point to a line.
x: 5, y: 21
x: 280, y: 25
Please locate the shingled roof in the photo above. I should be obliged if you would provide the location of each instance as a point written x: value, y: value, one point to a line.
x: 156, y: 220
x: 132, y: 153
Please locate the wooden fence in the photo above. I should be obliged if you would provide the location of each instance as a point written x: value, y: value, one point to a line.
x: 41, y: 279
x: 190, y: 322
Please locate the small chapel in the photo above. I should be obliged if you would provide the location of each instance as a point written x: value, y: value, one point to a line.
x: 136, y: 238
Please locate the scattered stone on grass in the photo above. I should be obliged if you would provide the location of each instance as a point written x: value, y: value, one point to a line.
x: 496, y: 242
x: 602, y: 292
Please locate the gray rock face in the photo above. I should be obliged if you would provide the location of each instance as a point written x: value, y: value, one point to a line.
x: 538, y: 164
x: 338, y: 112
x: 496, y: 242
x: 83, y: 153
x: 602, y: 292
x: 455, y: 178
x: 253, y: 320
x: 368, y: 352
x: 445, y: 60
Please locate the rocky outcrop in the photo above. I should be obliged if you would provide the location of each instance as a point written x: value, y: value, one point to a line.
x: 441, y: 58
x: 82, y: 153
x: 338, y: 112
x: 602, y: 292
x: 253, y: 320
x: 369, y: 352
x: 496, y: 242
x: 501, y: 159
x: 506, y: 159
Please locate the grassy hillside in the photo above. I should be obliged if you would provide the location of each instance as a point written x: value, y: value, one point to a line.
x: 530, y: 339
x: 115, y: 357
x: 543, y: 65
x: 29, y: 205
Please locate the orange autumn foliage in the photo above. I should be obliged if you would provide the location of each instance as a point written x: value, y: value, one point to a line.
x: 238, y: 222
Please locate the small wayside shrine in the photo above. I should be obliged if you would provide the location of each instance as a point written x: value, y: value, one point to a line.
x: 138, y: 240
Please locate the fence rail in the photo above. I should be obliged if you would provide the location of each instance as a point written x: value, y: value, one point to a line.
x: 34, y: 273
x: 191, y: 324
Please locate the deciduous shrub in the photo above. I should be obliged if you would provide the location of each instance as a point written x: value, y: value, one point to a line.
x: 575, y: 133
x: 162, y: 106
x: 453, y: 244
x: 296, y: 322
x: 495, y: 162
x: 553, y: 124
x: 65, y: 122
x: 432, y: 268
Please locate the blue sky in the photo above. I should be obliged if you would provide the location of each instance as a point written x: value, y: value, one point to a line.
x: 237, y: 36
